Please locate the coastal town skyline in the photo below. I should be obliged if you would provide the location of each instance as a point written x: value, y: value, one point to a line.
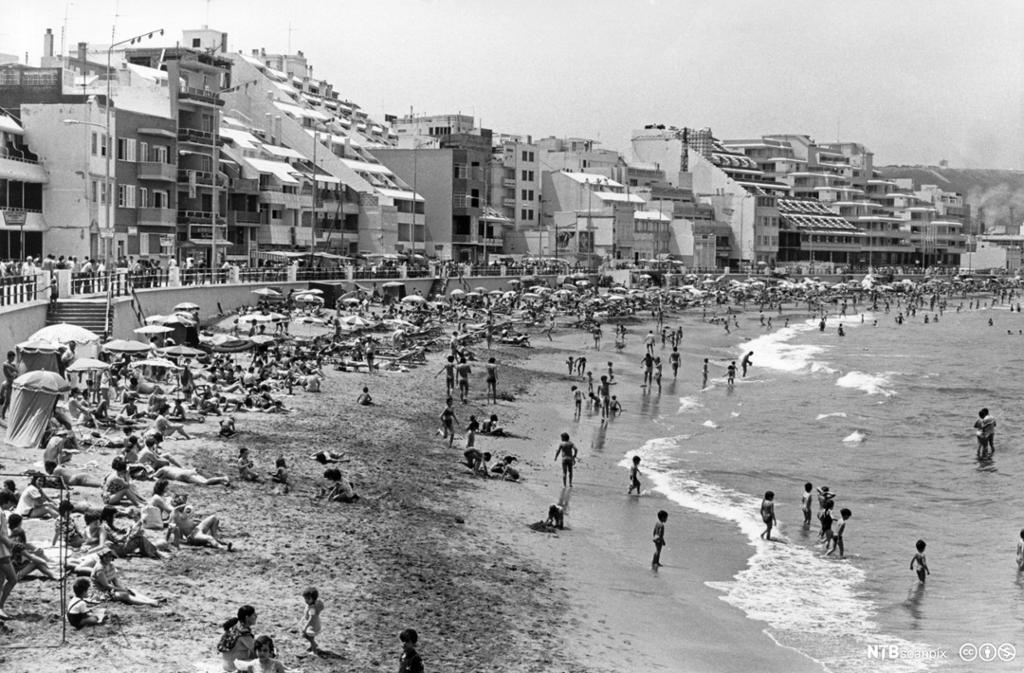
x: 917, y: 86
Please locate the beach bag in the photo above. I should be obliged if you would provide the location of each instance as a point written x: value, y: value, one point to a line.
x: 151, y: 518
x: 228, y: 640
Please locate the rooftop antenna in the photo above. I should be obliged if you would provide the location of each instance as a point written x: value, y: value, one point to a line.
x: 64, y: 29
x: 207, y: 12
x: 290, y: 29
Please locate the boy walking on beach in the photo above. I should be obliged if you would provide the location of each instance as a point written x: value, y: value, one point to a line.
x: 730, y: 373
x: 704, y: 374
x: 659, y: 538
x: 568, y: 452
x: 311, y: 618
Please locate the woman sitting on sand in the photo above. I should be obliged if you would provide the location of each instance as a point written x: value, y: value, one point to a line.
x: 157, y: 510
x: 182, y: 527
x: 33, y: 503
x: 25, y: 557
x: 125, y: 542
x: 238, y: 642
x: 164, y: 426
x: 106, y: 580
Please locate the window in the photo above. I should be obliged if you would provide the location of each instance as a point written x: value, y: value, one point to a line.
x: 126, y: 196
x: 160, y: 154
x: 525, y: 155
x: 143, y: 197
x: 126, y: 149
x: 526, y: 214
x: 160, y: 200
x: 143, y: 151
x: 95, y: 191
x: 526, y: 194
x: 95, y: 143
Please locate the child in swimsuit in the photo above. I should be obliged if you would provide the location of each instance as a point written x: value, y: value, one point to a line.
x: 920, y: 561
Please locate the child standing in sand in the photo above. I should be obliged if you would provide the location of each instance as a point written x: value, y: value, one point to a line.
x: 410, y: 661
x: 311, y: 619
x: 634, y: 476
x: 837, y: 540
x: 659, y: 538
x: 920, y: 561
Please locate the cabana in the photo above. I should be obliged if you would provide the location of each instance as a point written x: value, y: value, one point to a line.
x: 34, y: 397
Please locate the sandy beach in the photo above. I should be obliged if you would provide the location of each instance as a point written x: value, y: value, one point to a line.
x: 428, y: 546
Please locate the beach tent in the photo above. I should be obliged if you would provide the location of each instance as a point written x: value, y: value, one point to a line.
x: 38, y: 354
x: 33, y: 398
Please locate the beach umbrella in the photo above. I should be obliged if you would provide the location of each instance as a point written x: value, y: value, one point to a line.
x: 225, y: 343
x: 87, y: 365
x: 355, y: 321
x: 125, y: 346
x: 186, y: 306
x: 312, y: 290
x: 582, y: 283
x: 393, y: 283
x: 531, y: 296
x: 181, y: 351
x: 162, y: 363
x: 261, y: 317
x: 308, y: 299
x: 472, y: 294
x: 42, y: 381
x: 514, y: 281
x: 350, y: 301
x: 267, y: 292
x: 481, y: 289
x: 262, y: 339
x: 457, y: 292
x: 496, y: 293
x: 65, y: 333
x: 153, y: 329
x: 413, y: 299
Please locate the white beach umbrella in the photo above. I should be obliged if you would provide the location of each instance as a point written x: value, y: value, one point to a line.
x: 160, y: 363
x: 413, y: 299
x: 186, y: 306
x: 65, y: 333
x: 457, y: 292
x: 125, y: 346
x: 267, y: 292
x: 87, y: 365
x: 153, y: 329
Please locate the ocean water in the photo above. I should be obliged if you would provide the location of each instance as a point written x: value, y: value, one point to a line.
x: 883, y: 416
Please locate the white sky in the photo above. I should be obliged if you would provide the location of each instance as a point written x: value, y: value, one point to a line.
x: 917, y: 81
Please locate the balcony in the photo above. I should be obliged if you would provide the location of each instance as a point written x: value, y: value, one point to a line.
x: 465, y: 239
x: 199, y: 96
x: 157, y: 217
x: 155, y: 170
x: 202, y: 234
x: 509, y: 182
x: 243, y: 218
x: 508, y: 203
x: 198, y: 217
x: 286, y: 199
x: 201, y: 177
x: 187, y: 135
x: 244, y: 185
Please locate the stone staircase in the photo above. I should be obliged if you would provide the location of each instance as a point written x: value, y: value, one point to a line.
x: 94, y: 316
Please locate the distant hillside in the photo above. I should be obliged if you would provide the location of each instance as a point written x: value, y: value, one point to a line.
x: 997, y: 191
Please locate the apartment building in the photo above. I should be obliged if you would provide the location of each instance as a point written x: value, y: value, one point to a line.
x: 22, y: 183
x: 516, y: 186
x: 454, y: 178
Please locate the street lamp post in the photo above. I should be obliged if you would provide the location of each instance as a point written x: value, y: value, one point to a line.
x: 108, y: 236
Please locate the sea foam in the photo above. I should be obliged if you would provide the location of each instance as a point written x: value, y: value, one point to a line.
x: 872, y: 384
x: 811, y: 604
x: 688, y: 404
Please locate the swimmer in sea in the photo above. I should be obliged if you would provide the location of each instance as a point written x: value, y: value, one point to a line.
x: 920, y: 561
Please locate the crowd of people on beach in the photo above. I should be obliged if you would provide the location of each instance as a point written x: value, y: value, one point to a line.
x: 136, y: 417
